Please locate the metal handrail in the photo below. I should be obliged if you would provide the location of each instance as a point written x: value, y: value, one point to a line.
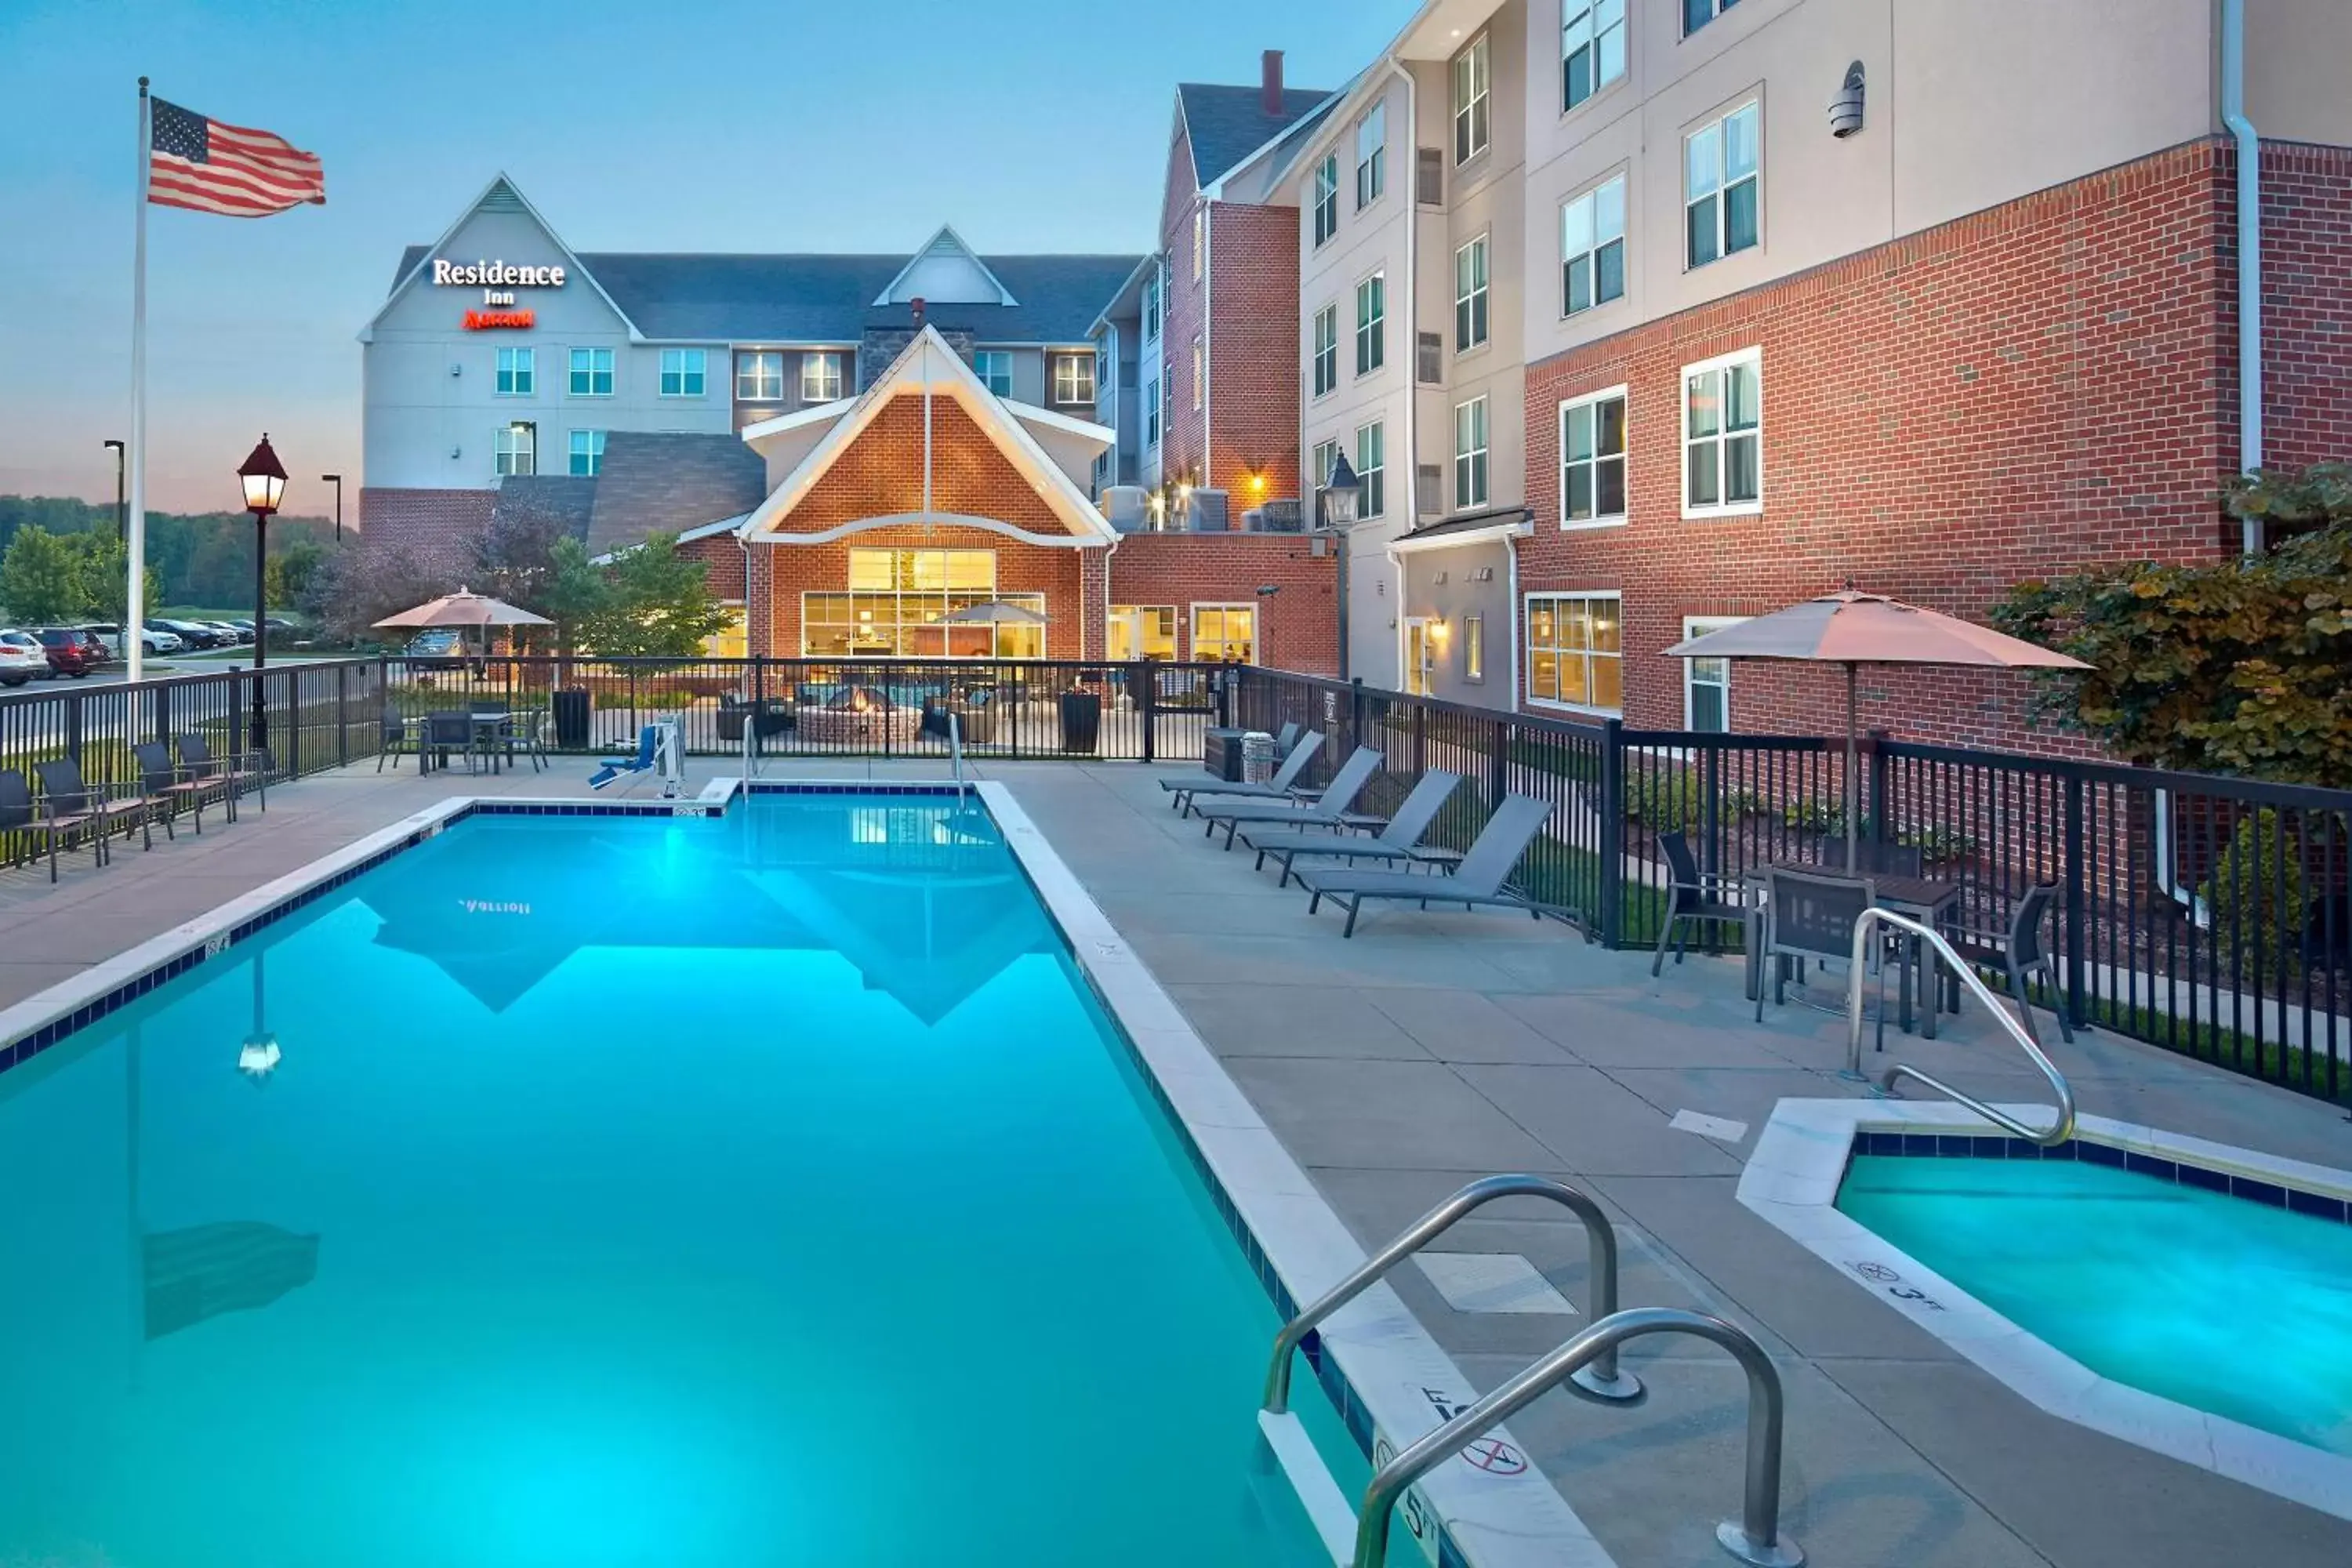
x: 1604, y: 1381
x: 2058, y: 1132
x: 1754, y: 1538
x: 955, y: 751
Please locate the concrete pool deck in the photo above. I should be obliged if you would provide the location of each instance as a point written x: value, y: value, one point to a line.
x: 1436, y: 1048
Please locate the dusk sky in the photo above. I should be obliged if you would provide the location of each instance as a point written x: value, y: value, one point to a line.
x: 711, y: 125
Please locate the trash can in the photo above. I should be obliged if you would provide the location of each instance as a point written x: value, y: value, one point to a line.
x: 1257, y: 757
x: 572, y: 721
x: 1081, y: 720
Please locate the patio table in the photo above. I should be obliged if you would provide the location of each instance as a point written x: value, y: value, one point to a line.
x: 1922, y: 899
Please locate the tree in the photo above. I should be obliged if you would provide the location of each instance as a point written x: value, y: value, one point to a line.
x: 656, y: 603
x: 575, y: 592
x: 40, y: 577
x: 103, y: 567
x: 361, y: 586
x: 293, y: 566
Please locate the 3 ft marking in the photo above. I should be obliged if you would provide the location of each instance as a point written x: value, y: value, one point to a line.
x: 1889, y: 1280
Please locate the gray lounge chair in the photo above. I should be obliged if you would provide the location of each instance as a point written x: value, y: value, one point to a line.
x: 1478, y: 881
x: 1398, y: 842
x: 1191, y: 792
x: 1329, y: 809
x: 1182, y: 785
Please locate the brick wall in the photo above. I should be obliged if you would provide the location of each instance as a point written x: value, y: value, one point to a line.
x: 722, y: 560
x: 437, y: 529
x: 1181, y: 441
x: 1254, y: 354
x: 2306, y: 263
x: 784, y: 572
x: 2046, y: 384
x: 1298, y: 629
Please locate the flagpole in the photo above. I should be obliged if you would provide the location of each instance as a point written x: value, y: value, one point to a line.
x: 134, y: 640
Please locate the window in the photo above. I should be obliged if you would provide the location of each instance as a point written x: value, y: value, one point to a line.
x: 1592, y: 248
x: 592, y: 373
x: 1371, y: 323
x: 1151, y: 412
x: 1371, y: 468
x: 1723, y: 417
x: 1327, y: 349
x: 1474, y: 647
x: 1592, y: 48
x: 518, y: 373
x: 1371, y: 156
x: 1200, y: 240
x: 1575, y: 655
x: 994, y: 368
x: 1074, y: 378
x: 1225, y: 631
x: 1592, y: 459
x: 1152, y: 306
x: 515, y: 450
x: 1470, y: 101
x: 1142, y: 631
x: 821, y: 376
x: 1722, y: 189
x: 1697, y: 13
x: 732, y: 641
x: 1706, y: 682
x: 1470, y: 453
x: 1200, y: 375
x: 1327, y: 197
x: 682, y: 373
x: 1327, y: 458
x: 760, y: 376
x: 587, y: 453
x: 895, y: 601
x: 1470, y: 295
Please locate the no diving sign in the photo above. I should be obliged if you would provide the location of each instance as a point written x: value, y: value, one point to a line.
x: 1495, y: 1457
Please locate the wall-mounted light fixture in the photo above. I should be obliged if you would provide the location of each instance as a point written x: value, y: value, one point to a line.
x: 1845, y: 109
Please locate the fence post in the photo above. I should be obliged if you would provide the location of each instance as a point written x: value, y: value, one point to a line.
x: 1878, y: 770
x: 1356, y: 712
x: 73, y: 728
x: 1710, y: 810
x: 1419, y: 739
x: 1143, y: 684
x: 1612, y: 831
x: 342, y: 715
x: 1499, y: 764
x: 2077, y: 1012
x: 1221, y: 683
x: 163, y: 711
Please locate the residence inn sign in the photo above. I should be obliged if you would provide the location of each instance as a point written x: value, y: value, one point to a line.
x: 496, y: 280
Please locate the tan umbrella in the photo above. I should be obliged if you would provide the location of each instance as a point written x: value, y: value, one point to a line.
x: 1854, y: 629
x: 465, y: 608
x: 995, y: 613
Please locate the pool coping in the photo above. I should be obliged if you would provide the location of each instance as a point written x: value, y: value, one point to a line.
x: 1791, y: 1181
x: 1387, y: 1375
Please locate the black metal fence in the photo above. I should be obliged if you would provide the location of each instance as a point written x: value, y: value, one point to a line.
x: 315, y: 716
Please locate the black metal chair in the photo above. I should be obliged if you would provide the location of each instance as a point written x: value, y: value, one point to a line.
x: 1695, y: 896
x: 394, y: 740
x: 65, y: 796
x: 2020, y: 953
x: 162, y: 788
x: 18, y: 815
x: 450, y: 732
x: 1810, y: 917
x: 524, y: 734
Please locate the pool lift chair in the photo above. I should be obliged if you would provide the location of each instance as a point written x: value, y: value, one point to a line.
x: 661, y: 751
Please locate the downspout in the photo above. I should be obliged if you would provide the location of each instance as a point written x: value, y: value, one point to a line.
x: 1411, y: 345
x: 1208, y: 348
x: 2249, y: 250
x: 1511, y: 548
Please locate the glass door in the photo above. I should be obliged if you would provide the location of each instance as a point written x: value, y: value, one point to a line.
x: 1419, y: 654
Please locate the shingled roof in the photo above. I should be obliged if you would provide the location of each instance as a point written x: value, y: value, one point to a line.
x: 1226, y: 125
x: 668, y: 482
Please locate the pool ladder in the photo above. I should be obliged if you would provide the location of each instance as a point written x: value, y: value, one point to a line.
x: 1589, y: 1360
x: 2062, y: 1126
x: 955, y: 753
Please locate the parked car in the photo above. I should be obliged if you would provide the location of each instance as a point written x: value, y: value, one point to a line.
x: 243, y: 630
x: 196, y: 634
x: 73, y: 650
x: 231, y: 633
x: 22, y: 657
x: 152, y: 637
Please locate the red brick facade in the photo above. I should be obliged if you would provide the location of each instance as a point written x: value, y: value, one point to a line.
x: 2306, y: 303
x: 2043, y: 385
x: 437, y: 529
x: 1298, y: 629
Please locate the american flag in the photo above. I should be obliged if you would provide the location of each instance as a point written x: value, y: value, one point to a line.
x: 215, y: 168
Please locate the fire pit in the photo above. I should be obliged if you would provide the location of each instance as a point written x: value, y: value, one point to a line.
x: 857, y: 714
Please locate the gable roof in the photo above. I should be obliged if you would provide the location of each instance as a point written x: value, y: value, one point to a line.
x: 946, y: 249
x: 1226, y: 125
x: 498, y: 196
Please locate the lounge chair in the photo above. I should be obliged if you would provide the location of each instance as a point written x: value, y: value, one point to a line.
x: 1183, y: 785
x: 1398, y: 842
x: 1190, y: 791
x: 1478, y: 881
x: 648, y: 747
x: 17, y: 815
x: 1329, y: 809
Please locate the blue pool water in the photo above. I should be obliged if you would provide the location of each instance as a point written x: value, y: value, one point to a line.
x: 2216, y: 1301
x: 761, y: 1189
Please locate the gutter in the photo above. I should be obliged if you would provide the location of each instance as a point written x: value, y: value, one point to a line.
x: 1208, y: 348
x: 1411, y: 365
x: 2250, y: 251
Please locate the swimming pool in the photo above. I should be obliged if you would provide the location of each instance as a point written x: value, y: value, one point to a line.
x: 587, y: 1190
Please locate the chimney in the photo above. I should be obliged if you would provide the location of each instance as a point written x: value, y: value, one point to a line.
x: 1270, y: 83
x: 917, y: 302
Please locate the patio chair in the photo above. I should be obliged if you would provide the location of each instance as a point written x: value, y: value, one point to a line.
x: 1808, y: 916
x: 66, y: 794
x: 1879, y: 859
x: 2019, y: 953
x: 1329, y: 809
x: 1399, y: 840
x: 524, y: 734
x: 394, y: 739
x: 1189, y: 789
x: 161, y: 779
x: 18, y: 815
x: 236, y: 771
x: 452, y: 731
x: 1478, y: 879
x: 1695, y: 898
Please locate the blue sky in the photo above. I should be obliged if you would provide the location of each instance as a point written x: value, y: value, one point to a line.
x: 694, y: 125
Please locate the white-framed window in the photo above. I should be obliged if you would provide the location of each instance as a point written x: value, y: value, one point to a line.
x: 1151, y: 412
x: 1326, y: 457
x: 518, y: 373
x: 1592, y: 248
x: 1706, y: 682
x: 1225, y: 631
x: 1074, y: 378
x: 1371, y: 323
x: 1371, y: 155
x: 1327, y: 197
x: 1470, y: 89
x: 760, y: 376
x: 1473, y: 648
x: 1575, y: 645
x: 1723, y: 185
x: 1200, y: 375
x: 1372, y: 467
x: 1199, y: 241
x: 895, y: 600
x: 515, y: 449
x: 1723, y: 435
x: 1152, y: 307
x: 1105, y: 369
x: 592, y: 373
x: 585, y: 457
x: 1327, y: 349
x: 994, y: 368
x: 1592, y: 48
x: 1142, y: 631
x: 1697, y: 13
x: 1470, y: 295
x: 1470, y: 453
x: 683, y: 372
x: 1592, y: 459
x: 821, y: 376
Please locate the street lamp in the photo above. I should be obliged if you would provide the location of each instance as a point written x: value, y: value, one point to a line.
x: 336, y: 480
x: 263, y: 477
x: 1343, y: 493
x: 122, y: 505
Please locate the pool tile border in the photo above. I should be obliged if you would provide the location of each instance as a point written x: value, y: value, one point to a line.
x: 1791, y: 1181
x: 2180, y: 1173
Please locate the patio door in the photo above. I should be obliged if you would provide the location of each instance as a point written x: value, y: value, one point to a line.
x: 1420, y: 656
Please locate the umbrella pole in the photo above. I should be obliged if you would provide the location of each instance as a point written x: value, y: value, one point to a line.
x: 1853, y: 783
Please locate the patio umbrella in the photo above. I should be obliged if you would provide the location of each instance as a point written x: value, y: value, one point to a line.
x: 995, y: 613
x: 1854, y: 629
x: 464, y: 608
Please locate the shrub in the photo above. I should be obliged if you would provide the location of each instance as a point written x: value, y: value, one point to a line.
x: 2255, y: 898
x: 1662, y: 799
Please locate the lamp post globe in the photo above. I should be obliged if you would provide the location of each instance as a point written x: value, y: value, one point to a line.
x: 264, y: 480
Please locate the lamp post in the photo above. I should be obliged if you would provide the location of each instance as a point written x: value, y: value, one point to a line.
x: 263, y: 477
x: 258, y: 1055
x: 1343, y: 493
x: 121, y: 504
x: 336, y: 480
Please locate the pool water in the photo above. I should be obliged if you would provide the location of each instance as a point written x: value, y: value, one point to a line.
x: 763, y: 1189
x: 2220, y: 1304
